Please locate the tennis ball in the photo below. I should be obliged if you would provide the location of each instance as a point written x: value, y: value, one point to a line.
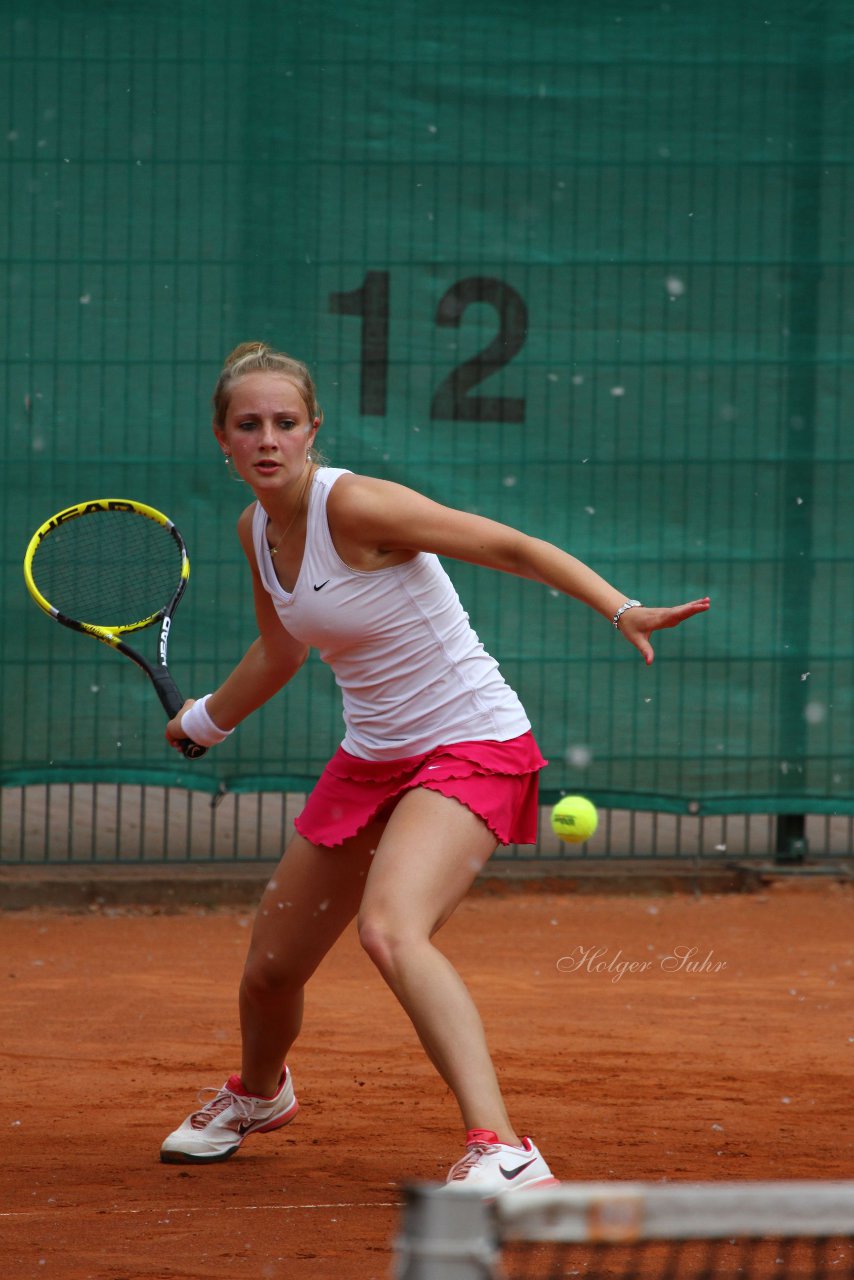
x: 574, y: 819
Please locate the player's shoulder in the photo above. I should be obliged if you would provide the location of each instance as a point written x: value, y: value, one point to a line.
x: 354, y: 496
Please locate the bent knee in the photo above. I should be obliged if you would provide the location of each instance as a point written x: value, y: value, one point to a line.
x: 266, y: 973
x: 384, y: 941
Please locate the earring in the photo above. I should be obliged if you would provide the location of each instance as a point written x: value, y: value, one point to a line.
x: 229, y: 466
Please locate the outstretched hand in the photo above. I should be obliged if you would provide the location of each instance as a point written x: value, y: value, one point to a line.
x: 638, y: 624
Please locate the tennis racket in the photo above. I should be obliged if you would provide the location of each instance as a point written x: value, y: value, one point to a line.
x: 110, y: 567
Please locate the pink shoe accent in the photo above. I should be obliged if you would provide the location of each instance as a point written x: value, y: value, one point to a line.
x: 234, y: 1084
x: 481, y: 1135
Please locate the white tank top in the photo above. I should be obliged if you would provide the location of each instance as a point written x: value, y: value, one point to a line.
x: 412, y: 672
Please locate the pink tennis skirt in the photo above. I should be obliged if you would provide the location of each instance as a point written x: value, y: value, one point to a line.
x: 498, y: 781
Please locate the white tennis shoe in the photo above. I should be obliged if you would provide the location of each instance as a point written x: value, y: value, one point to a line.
x: 493, y: 1168
x: 215, y: 1132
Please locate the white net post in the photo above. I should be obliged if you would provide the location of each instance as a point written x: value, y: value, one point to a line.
x: 445, y: 1236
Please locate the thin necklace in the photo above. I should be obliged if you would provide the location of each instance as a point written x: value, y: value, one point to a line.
x: 274, y: 550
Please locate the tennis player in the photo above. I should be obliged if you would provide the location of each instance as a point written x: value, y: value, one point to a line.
x: 438, y: 764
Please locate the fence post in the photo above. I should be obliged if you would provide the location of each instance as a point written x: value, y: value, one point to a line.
x: 801, y: 408
x: 792, y: 845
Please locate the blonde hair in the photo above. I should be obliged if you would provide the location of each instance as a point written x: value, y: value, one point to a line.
x: 257, y: 357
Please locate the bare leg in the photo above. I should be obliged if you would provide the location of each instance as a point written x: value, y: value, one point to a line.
x: 431, y: 851
x: 309, y: 901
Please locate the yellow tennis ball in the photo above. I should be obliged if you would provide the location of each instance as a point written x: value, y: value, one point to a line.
x: 574, y: 819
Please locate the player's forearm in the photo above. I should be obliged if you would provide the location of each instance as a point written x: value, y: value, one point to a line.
x: 254, y: 680
x: 546, y: 563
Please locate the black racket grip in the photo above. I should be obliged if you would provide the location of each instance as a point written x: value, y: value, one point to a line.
x: 172, y: 702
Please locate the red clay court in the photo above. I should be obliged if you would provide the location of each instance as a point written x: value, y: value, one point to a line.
x: 731, y: 1062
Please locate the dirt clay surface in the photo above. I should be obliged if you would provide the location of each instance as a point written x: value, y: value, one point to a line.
x: 645, y: 1037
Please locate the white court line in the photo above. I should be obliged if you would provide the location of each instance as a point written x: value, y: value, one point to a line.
x: 234, y: 1208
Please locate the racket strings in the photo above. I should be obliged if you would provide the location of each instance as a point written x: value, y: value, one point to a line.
x: 110, y: 568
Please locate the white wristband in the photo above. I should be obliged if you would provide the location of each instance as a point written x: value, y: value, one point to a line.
x: 198, y: 726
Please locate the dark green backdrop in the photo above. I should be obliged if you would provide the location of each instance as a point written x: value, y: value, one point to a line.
x: 584, y: 268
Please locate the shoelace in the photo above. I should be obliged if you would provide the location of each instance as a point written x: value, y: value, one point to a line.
x: 466, y: 1163
x: 223, y: 1099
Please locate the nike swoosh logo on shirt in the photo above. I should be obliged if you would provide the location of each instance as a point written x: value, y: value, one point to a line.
x: 322, y: 585
x: 510, y: 1174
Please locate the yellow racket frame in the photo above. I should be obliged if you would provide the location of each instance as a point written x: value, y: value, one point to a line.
x: 158, y: 672
x: 108, y: 634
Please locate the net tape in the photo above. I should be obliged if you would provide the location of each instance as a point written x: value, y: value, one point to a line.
x: 617, y: 1212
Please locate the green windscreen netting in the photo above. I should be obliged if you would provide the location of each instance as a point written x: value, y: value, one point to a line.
x: 583, y: 268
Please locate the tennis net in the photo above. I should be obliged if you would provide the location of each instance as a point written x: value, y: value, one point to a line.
x: 739, y: 1230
